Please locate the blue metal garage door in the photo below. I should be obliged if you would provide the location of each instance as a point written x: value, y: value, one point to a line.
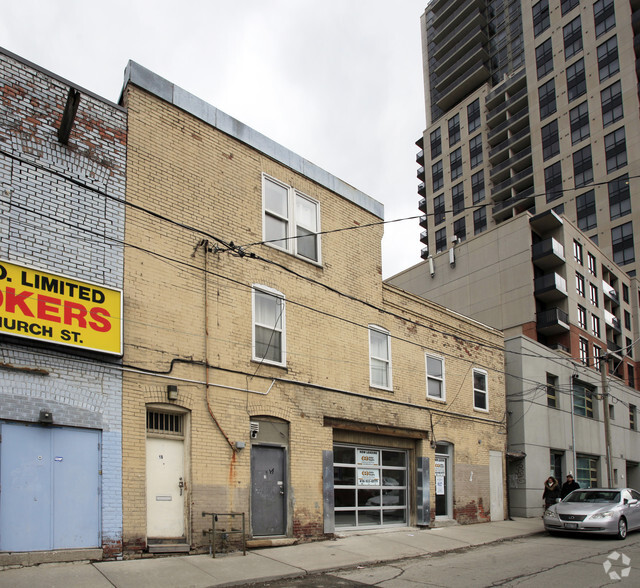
x: 50, y: 480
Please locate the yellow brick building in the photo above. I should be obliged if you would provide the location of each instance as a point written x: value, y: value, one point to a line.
x: 283, y: 380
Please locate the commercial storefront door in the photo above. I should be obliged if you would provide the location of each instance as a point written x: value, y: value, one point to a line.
x: 370, y: 486
x: 50, y: 479
x: 443, y: 481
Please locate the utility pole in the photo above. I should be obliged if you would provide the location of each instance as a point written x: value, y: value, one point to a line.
x: 604, y: 364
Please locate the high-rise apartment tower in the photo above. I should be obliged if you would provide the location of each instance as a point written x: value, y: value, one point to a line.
x: 531, y: 106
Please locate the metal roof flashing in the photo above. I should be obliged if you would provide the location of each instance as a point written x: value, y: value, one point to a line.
x: 160, y: 87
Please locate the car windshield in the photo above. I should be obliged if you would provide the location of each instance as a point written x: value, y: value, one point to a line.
x: 593, y: 496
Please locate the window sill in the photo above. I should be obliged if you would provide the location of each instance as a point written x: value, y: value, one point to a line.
x: 266, y: 363
x: 380, y: 388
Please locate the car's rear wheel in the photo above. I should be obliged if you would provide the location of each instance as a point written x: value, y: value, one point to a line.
x: 622, y: 528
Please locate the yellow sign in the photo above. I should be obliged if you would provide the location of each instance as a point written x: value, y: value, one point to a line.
x: 50, y: 307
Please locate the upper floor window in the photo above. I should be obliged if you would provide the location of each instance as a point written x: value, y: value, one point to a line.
x: 592, y: 265
x: 583, y: 349
x: 579, y: 284
x: 438, y: 209
x: 437, y: 176
x: 625, y: 293
x: 541, y: 20
x: 435, y: 377
x: 582, y: 396
x: 380, y: 357
x: 597, y: 353
x: 547, y: 98
x: 268, y: 326
x: 457, y: 198
x: 579, y: 120
x: 550, y: 140
x: 480, y: 390
x: 593, y: 294
x: 460, y: 229
x: 604, y: 16
x: 552, y: 390
x: 611, y: 99
x: 454, y: 129
x: 436, y: 143
x: 473, y: 115
x: 577, y: 252
x: 568, y: 5
x: 544, y: 58
x: 479, y: 220
x: 576, y: 80
x: 622, y: 244
x: 441, y: 240
x: 455, y: 160
x: 582, y: 167
x: 608, y: 62
x: 595, y: 325
x: 615, y: 147
x: 582, y: 317
x: 586, y: 211
x: 291, y: 220
x: 633, y: 417
x: 475, y: 151
x: 619, y: 197
x: 572, y: 38
x: 553, y: 181
x: 477, y: 187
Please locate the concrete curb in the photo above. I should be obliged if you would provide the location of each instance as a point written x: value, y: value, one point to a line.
x: 274, y: 563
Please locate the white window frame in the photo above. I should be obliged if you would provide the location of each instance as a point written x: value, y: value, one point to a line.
x: 485, y: 391
x: 597, y: 352
x: 595, y: 325
x: 441, y: 379
x: 289, y: 243
x: 259, y: 289
x: 375, y: 360
x: 577, y: 252
x: 593, y: 269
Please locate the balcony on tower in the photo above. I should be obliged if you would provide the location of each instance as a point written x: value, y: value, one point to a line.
x: 553, y: 321
x: 549, y: 287
x: 547, y: 254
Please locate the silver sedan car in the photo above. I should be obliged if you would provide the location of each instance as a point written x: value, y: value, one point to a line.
x: 595, y: 510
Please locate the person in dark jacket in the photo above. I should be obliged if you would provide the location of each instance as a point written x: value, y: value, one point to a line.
x: 551, y: 492
x: 569, y: 486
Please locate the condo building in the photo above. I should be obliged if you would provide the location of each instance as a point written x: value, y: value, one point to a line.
x: 527, y: 172
x: 570, y: 319
x: 531, y: 106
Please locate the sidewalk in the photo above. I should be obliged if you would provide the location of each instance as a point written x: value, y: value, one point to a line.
x: 269, y: 563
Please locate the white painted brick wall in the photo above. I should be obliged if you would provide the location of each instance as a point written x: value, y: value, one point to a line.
x: 59, y: 212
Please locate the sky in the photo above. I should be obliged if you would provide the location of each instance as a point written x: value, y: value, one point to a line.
x: 338, y: 82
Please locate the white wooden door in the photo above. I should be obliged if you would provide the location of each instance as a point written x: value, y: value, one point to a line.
x: 165, y: 495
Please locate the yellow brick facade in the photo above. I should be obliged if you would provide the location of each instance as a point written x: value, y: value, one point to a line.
x: 188, y: 323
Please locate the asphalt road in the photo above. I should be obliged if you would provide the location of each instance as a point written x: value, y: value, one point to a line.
x: 539, y: 560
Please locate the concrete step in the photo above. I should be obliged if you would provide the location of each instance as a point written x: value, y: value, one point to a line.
x: 31, y: 558
x: 265, y: 542
x: 168, y: 547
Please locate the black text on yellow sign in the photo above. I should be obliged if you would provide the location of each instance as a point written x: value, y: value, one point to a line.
x: 49, y: 307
